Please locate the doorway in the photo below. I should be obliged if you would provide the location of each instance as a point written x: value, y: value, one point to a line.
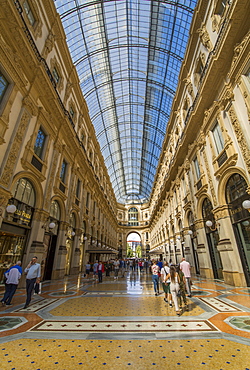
x: 50, y: 247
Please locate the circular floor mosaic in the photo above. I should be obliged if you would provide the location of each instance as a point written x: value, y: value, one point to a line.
x: 62, y: 294
x: 200, y: 292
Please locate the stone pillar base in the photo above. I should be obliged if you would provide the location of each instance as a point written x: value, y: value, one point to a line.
x: 234, y: 278
x: 74, y: 271
x: 57, y: 274
x: 206, y: 273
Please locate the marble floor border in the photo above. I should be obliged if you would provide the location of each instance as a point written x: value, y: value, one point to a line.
x: 125, y: 336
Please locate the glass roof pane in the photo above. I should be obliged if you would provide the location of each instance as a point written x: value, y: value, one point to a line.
x: 128, y: 55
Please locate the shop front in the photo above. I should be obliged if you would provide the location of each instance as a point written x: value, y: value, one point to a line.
x: 236, y: 194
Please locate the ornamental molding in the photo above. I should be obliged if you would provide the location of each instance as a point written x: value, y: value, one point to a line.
x: 48, y: 45
x: 230, y: 162
x: 239, y: 50
x: 12, y: 63
x: 245, y: 93
x: 204, y: 36
x: 210, y: 180
x: 221, y: 212
x: 12, y: 159
x: 189, y: 85
x: 240, y: 137
x: 68, y: 91
x: 202, y: 191
x: 30, y: 106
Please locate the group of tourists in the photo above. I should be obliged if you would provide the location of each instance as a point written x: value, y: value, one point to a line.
x: 176, y: 282
x: 116, y: 267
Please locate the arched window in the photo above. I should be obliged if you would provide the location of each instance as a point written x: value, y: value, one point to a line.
x: 24, y: 200
x: 133, y: 217
x: 236, y: 187
x: 236, y: 193
x: 24, y: 192
x: 55, y: 210
x: 207, y: 208
x: 72, y: 221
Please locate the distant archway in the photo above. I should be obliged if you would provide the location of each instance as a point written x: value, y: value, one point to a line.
x: 134, y: 245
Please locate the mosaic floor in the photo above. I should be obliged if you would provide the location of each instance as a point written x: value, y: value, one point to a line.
x: 78, y: 323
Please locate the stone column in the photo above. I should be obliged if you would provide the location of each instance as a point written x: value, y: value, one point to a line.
x: 60, y: 254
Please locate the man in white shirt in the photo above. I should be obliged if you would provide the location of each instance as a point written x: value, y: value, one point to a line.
x: 13, y: 275
x: 33, y: 271
x: 186, y: 269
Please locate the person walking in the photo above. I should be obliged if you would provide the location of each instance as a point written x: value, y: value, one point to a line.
x: 108, y: 267
x: 155, y: 277
x: 166, y: 284
x: 95, y: 270
x: 12, y: 275
x: 174, y: 287
x: 182, y: 295
x: 116, y: 268
x: 87, y: 266
x: 186, y: 269
x: 122, y: 267
x: 100, y: 271
x: 33, y: 271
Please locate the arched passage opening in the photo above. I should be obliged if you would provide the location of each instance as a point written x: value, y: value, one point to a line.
x: 134, y: 245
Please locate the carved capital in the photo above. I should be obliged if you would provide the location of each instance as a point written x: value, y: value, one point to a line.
x: 204, y: 36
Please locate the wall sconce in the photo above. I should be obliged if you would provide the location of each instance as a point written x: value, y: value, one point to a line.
x: 73, y: 233
x: 245, y: 205
x: 190, y: 232
x: 210, y: 225
x: 85, y: 238
x: 11, y: 208
x: 49, y: 226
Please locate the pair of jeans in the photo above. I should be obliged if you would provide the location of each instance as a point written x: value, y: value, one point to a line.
x: 9, y: 292
x: 99, y: 276
x: 30, y: 284
x: 188, y: 285
x: 155, y: 279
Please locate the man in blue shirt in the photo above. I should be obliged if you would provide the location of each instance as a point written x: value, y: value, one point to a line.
x: 33, y: 271
x: 13, y: 275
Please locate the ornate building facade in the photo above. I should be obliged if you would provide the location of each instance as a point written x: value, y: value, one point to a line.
x: 56, y: 197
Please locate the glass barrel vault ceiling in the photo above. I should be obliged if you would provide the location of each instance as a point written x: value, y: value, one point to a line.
x: 128, y: 55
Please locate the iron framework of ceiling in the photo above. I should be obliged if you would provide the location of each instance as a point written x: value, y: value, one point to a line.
x: 128, y: 55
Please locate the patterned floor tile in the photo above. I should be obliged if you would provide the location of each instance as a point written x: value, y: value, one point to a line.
x: 125, y: 326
